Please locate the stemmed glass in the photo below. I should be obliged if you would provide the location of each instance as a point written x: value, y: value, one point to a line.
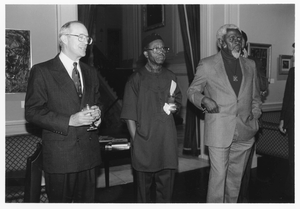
x: 92, y: 126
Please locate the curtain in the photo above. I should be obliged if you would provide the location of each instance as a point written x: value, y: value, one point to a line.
x: 189, y: 16
x: 87, y: 15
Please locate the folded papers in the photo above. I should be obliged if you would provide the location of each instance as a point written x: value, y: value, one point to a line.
x: 173, y: 87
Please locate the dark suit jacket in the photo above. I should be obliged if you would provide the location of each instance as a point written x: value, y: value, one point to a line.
x: 51, y: 99
x: 287, y: 112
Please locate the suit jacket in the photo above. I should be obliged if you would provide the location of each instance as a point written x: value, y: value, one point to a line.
x: 234, y: 111
x: 288, y: 104
x: 51, y: 99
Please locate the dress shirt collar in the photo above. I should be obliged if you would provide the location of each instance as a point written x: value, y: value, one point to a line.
x: 68, y: 63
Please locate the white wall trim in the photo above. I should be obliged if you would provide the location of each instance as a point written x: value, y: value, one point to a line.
x: 65, y: 13
x: 232, y: 14
x: 206, y: 18
x: 15, y: 127
x: 275, y: 106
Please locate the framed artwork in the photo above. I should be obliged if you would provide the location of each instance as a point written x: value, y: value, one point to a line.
x: 153, y: 16
x: 285, y: 63
x: 261, y: 52
x: 17, y: 60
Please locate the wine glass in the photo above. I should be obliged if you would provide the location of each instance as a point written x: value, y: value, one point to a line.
x: 92, y: 126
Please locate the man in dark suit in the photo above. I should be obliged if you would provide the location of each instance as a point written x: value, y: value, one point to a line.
x: 55, y: 103
x: 231, y: 98
x: 287, y: 126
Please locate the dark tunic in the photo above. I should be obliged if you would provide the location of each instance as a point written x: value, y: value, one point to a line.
x: 155, y: 142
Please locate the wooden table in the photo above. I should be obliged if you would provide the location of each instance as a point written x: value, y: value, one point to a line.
x: 112, y: 154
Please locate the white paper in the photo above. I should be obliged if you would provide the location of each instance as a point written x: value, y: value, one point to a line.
x: 167, y: 108
x: 173, y: 87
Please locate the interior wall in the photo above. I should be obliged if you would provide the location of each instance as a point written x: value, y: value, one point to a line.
x: 266, y: 24
x: 43, y: 21
x: 271, y: 24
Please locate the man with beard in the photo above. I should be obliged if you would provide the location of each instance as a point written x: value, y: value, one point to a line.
x: 232, y: 101
x: 148, y: 111
x: 57, y: 92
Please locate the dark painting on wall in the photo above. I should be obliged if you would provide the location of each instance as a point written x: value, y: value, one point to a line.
x: 17, y: 60
x: 262, y: 52
x: 153, y: 16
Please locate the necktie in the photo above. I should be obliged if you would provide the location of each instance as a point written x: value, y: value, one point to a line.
x: 76, y: 79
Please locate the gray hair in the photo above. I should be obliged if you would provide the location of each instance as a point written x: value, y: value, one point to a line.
x: 223, y: 31
x: 65, y: 30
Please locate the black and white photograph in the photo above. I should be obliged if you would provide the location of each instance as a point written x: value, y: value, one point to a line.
x: 121, y: 104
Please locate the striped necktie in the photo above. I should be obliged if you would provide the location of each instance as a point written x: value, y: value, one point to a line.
x: 76, y: 79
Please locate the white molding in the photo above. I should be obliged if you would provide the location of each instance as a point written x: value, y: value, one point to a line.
x: 207, y: 38
x: 207, y: 25
x: 65, y: 13
x: 15, y: 127
x: 275, y: 106
x: 232, y: 14
x: 202, y: 155
x: 15, y: 122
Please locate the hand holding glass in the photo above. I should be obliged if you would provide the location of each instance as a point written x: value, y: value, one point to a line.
x: 171, y: 102
x: 92, y: 126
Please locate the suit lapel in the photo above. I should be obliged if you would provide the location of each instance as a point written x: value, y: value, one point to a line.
x: 62, y: 77
x: 220, y: 69
x: 245, y: 71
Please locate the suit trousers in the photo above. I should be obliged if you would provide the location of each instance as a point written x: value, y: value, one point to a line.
x: 164, y: 183
x: 244, y: 190
x: 79, y: 187
x: 227, y: 166
x: 290, y: 190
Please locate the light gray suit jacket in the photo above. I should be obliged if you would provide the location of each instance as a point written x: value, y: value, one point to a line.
x: 234, y: 111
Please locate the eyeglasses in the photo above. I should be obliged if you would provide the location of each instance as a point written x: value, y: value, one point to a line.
x: 83, y: 38
x: 157, y: 50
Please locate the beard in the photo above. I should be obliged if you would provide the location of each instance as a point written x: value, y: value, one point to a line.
x: 235, y: 54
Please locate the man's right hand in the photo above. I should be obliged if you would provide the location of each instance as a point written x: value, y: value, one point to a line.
x: 210, y: 105
x: 82, y: 118
x: 281, y: 124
